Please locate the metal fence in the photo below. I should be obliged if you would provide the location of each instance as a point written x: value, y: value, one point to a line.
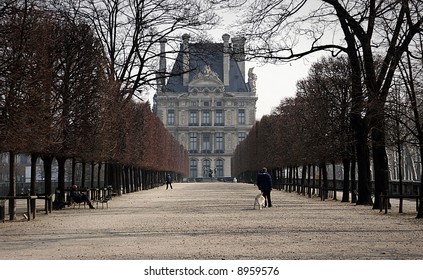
x: 24, y: 187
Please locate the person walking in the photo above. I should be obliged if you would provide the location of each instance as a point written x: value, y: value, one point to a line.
x: 264, y: 184
x: 168, y: 181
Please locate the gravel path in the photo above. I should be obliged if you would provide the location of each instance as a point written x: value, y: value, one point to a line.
x: 214, y: 221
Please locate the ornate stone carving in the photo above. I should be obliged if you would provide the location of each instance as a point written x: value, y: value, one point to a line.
x: 206, y: 81
x: 207, y: 74
x: 252, y: 77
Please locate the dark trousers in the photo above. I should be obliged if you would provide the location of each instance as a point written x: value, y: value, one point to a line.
x: 266, y: 195
x: 167, y: 185
x: 82, y: 198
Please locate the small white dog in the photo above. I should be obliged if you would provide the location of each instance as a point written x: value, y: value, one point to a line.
x: 260, y: 200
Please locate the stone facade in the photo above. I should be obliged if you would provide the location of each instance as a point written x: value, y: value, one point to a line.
x: 206, y: 103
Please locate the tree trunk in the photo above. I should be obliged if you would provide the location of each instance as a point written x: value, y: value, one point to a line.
x: 291, y: 179
x: 334, y: 180
x: 380, y: 162
x: 34, y: 158
x: 12, y: 185
x: 73, y: 171
x: 61, y: 178
x: 48, y: 160
x: 346, y: 182
x: 83, y: 174
x: 353, y: 181
x: 325, y: 185
x: 303, y: 179
x: 363, y: 161
x: 420, y: 210
x: 99, y: 176
x: 131, y: 179
x: 125, y: 179
x: 399, y: 172
x: 314, y: 180
x: 92, y: 178
x: 309, y: 181
x: 106, y: 174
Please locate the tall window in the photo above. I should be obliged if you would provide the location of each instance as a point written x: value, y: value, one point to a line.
x: 219, y: 168
x: 219, y: 142
x: 171, y: 117
x: 193, y: 142
x: 193, y: 168
x: 206, y: 168
x: 206, y: 143
x: 193, y: 118
x: 241, y: 116
x: 241, y: 136
x: 206, y: 118
x: 219, y: 118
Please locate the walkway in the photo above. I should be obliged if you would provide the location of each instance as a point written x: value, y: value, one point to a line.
x: 215, y: 221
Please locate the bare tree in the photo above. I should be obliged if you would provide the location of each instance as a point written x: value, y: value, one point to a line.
x: 411, y: 68
x: 328, y: 90
x: 360, y: 29
x: 130, y: 32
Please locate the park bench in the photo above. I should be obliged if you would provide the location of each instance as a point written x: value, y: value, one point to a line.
x: 102, y: 200
x: 30, y: 200
x: 70, y: 201
x: 48, y: 201
x: 96, y: 195
x: 384, y: 200
x: 100, y: 195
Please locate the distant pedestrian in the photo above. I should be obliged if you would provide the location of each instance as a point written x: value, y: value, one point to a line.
x: 264, y: 183
x: 168, y: 181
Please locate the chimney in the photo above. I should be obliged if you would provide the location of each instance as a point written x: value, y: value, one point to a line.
x: 185, y: 59
x: 226, y: 65
x: 238, y: 45
x: 162, y: 63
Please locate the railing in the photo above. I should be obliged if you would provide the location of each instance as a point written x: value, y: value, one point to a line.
x: 24, y: 187
x: 408, y: 187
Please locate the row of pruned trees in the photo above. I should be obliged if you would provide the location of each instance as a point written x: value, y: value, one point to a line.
x: 60, y: 100
x: 376, y: 36
x: 313, y: 130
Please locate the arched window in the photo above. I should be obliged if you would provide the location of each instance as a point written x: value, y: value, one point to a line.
x: 193, y: 168
x: 206, y: 168
x: 219, y: 168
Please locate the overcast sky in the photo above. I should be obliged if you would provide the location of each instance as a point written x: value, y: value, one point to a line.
x: 274, y: 82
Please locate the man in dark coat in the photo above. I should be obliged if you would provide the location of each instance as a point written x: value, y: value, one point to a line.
x: 168, y: 181
x: 264, y: 183
x: 80, y: 197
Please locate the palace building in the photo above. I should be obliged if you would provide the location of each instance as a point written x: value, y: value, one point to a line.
x: 208, y: 103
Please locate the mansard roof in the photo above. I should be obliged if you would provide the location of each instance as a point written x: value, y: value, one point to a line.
x: 202, y: 55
